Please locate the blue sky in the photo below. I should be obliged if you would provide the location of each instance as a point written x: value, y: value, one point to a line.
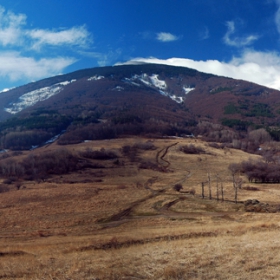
x: 234, y: 38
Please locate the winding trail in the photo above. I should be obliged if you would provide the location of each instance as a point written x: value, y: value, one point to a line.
x: 162, y: 153
x: 164, y: 211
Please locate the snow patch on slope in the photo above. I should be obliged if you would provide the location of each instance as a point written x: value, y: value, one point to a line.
x: 154, y: 82
x: 129, y: 81
x: 95, y: 78
x: 5, y: 90
x: 178, y: 99
x: 31, y: 98
x: 118, y: 88
x: 187, y: 89
x: 158, y: 83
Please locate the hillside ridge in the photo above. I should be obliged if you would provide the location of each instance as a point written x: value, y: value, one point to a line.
x: 147, y: 99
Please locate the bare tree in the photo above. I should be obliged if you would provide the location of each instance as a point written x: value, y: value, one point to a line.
x: 222, y: 191
x: 202, y: 189
x: 209, y: 185
x: 217, y: 187
x: 259, y: 136
x: 234, y: 168
x: 237, y: 185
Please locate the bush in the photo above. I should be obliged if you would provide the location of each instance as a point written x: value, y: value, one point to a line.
x: 260, y: 171
x: 150, y: 165
x: 60, y: 161
x: 102, y: 154
x: 10, y: 168
x: 39, y: 167
x: 214, y: 145
x: 144, y: 146
x: 191, y: 149
x: 178, y: 187
x: 191, y: 191
x: 250, y: 188
x: 24, y: 140
x: 130, y: 152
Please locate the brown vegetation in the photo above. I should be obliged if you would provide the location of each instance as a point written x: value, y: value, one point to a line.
x: 122, y: 222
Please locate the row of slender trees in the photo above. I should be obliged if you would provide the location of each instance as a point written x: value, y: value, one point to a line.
x: 237, y: 184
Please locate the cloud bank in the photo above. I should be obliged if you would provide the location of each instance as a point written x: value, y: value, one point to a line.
x: 258, y: 67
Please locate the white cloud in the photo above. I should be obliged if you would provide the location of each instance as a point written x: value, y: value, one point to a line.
x: 17, y: 67
x: 17, y: 39
x: 10, y: 27
x: 237, y: 41
x: 73, y: 36
x: 166, y: 37
x: 259, y: 67
x: 13, y: 33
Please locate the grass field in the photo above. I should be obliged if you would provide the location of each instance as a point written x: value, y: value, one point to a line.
x: 123, y: 221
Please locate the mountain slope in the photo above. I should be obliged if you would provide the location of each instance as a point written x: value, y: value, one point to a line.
x: 144, y: 99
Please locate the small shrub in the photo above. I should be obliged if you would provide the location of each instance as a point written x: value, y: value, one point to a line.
x: 191, y: 149
x: 98, y: 180
x: 121, y: 187
x: 178, y: 187
x: 102, y: 154
x: 145, y: 146
x: 130, y: 152
x: 214, y: 145
x: 113, y: 243
x: 95, y: 165
x: 84, y: 181
x: 250, y: 188
x: 191, y: 191
x: 150, y: 165
x: 8, y: 181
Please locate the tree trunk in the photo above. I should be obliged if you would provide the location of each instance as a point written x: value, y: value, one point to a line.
x: 235, y: 194
x: 209, y: 186
x: 202, y: 190
x: 217, y: 189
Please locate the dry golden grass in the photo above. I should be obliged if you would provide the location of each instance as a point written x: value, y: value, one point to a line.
x: 123, y: 222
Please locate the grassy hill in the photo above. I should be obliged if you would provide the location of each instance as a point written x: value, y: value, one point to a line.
x: 117, y: 213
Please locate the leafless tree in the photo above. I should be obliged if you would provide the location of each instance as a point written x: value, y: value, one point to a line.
x: 209, y: 185
x: 259, y: 136
x: 202, y: 189
x: 217, y: 187
x: 234, y: 168
x: 222, y: 191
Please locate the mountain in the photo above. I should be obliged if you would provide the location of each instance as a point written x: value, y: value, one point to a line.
x: 145, y: 99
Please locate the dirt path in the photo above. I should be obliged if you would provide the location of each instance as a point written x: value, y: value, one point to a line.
x: 165, y: 211
x: 162, y: 153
